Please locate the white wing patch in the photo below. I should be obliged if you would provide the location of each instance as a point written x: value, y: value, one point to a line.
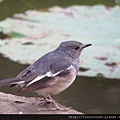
x: 69, y: 68
x: 36, y: 79
x: 48, y: 74
x: 56, y: 73
x: 20, y: 82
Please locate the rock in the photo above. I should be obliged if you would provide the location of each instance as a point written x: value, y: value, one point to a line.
x: 13, y: 104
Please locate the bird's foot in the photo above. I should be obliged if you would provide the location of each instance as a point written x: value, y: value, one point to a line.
x: 55, y: 107
x: 60, y: 108
x: 45, y: 101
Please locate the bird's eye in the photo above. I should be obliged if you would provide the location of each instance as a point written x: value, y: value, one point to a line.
x: 76, y: 47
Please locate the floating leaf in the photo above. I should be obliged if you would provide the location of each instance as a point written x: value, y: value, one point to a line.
x: 43, y: 31
x: 1, y: 1
x: 118, y: 2
x: 15, y: 34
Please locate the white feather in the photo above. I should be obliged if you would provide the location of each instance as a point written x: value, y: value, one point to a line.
x: 48, y: 74
x: 20, y: 82
x: 69, y: 67
x: 56, y: 74
x: 36, y: 79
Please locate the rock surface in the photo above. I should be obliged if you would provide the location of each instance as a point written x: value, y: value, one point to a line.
x: 12, y: 104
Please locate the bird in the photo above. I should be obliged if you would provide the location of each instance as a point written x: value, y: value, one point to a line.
x: 52, y: 73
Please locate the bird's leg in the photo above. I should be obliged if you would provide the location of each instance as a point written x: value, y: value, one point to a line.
x: 55, y: 104
x: 47, y: 100
x: 50, y: 100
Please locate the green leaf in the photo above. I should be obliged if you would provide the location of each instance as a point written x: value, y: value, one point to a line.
x: 16, y: 34
x: 41, y: 32
x: 118, y: 2
x: 1, y: 1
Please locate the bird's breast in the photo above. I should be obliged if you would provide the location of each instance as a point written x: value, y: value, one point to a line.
x: 59, y: 84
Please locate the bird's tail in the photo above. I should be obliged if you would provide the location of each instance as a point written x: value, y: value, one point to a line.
x: 9, y: 81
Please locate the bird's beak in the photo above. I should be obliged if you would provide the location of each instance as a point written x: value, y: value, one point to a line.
x: 86, y: 45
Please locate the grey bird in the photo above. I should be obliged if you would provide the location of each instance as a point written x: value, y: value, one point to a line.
x: 52, y: 73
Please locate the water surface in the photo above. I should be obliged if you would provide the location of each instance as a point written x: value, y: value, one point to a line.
x: 86, y: 94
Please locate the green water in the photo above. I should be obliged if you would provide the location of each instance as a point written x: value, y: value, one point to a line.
x: 9, y: 7
x: 88, y: 95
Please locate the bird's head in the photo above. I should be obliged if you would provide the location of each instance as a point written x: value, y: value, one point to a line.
x: 73, y: 48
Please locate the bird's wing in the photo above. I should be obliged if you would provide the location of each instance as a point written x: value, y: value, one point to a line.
x: 58, y: 69
x: 28, y: 74
x: 40, y: 67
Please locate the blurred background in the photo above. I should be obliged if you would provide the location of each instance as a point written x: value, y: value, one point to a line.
x: 8, y: 8
x: 88, y: 94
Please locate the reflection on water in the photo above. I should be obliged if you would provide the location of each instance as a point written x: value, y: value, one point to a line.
x: 91, y: 95
x: 88, y: 95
